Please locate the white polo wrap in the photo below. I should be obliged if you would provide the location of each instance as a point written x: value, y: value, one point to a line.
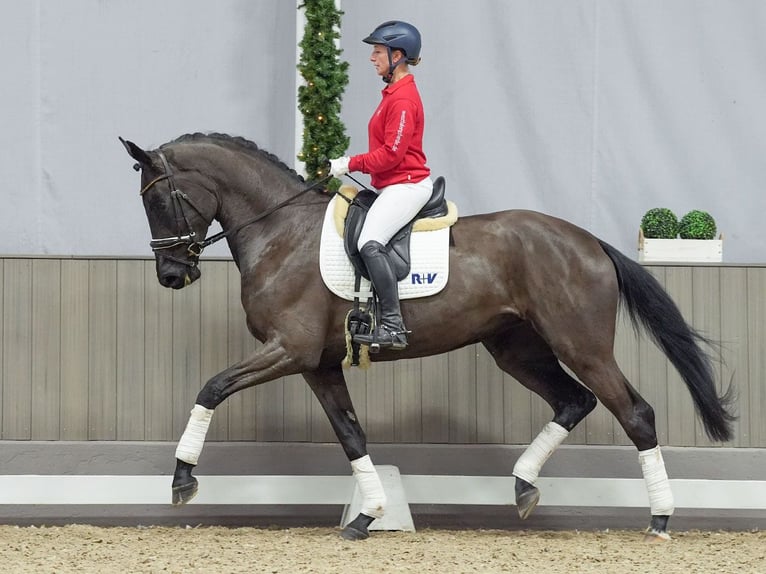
x: 190, y: 445
x: 373, y: 497
x: 532, y: 460
x: 657, y: 483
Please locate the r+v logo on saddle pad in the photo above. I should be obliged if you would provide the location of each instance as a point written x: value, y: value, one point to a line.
x: 422, y: 278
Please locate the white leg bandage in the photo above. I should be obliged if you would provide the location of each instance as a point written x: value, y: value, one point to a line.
x: 657, y: 483
x: 373, y: 497
x: 191, y: 442
x: 532, y: 460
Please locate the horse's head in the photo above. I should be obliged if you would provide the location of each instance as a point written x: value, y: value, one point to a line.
x: 179, y: 210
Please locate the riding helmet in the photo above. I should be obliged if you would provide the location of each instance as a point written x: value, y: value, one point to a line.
x: 398, y: 35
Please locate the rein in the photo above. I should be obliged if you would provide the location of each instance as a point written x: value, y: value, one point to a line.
x: 222, y: 234
x: 193, y: 246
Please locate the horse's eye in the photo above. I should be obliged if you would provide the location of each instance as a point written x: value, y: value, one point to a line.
x: 137, y: 166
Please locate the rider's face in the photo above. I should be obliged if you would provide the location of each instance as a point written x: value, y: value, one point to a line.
x: 379, y: 58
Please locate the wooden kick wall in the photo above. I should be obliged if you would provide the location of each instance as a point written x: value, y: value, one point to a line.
x: 96, y: 349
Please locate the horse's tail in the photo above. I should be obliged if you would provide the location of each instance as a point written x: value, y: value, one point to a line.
x: 648, y: 304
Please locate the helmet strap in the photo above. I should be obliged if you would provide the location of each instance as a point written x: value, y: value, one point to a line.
x: 391, y: 66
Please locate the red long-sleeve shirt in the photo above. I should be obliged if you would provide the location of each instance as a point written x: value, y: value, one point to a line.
x: 395, y: 134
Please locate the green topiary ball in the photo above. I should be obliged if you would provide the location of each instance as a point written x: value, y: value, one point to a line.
x: 697, y: 225
x: 660, y: 223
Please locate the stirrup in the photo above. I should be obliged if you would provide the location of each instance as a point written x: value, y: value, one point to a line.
x: 383, y: 337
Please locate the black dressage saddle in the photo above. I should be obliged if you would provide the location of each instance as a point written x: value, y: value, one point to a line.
x: 399, y: 246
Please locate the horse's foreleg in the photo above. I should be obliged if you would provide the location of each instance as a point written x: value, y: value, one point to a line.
x: 523, y: 354
x: 330, y: 388
x: 269, y: 362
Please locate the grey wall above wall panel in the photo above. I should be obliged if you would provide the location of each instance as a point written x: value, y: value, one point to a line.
x: 590, y: 110
x: 88, y: 71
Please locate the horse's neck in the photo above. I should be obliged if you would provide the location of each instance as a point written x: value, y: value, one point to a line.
x: 242, y: 202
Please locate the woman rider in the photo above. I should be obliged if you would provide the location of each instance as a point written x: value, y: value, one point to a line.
x: 398, y: 170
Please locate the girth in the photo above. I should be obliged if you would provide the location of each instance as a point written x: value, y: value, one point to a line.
x: 399, y: 246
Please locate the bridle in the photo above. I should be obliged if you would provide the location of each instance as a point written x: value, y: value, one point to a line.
x: 193, y: 247
x: 179, y: 198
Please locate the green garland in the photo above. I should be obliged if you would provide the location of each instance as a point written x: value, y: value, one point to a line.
x: 319, y: 99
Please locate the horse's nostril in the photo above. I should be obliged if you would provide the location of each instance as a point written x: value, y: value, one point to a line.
x: 172, y: 281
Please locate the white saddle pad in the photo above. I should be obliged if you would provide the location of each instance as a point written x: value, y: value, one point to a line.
x: 429, y: 269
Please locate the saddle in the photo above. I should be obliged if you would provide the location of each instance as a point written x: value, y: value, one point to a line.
x: 361, y: 319
x: 399, y: 246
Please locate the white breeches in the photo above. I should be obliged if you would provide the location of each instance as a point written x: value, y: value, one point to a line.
x: 394, y: 208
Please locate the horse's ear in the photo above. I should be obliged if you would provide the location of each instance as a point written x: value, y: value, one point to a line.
x: 137, y: 153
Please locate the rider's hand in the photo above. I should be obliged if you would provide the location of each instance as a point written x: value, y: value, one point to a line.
x: 339, y: 166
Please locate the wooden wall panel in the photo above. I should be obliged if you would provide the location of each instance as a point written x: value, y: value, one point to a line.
x: 462, y: 395
x: 407, y: 401
x: 186, y: 353
x: 46, y: 349
x: 756, y: 328
x: 435, y: 396
x: 2, y: 340
x: 102, y: 350
x: 380, y: 403
x: 131, y: 331
x: 679, y: 411
x: 735, y: 347
x: 75, y: 349
x: 706, y: 317
x: 158, y: 358
x: 17, y: 349
x: 490, y: 399
x: 96, y: 349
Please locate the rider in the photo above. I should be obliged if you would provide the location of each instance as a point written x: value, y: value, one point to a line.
x: 397, y: 164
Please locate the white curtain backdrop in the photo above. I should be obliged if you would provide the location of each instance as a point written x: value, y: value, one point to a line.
x: 590, y: 110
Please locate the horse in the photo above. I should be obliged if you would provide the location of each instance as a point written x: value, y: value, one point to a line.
x: 538, y: 292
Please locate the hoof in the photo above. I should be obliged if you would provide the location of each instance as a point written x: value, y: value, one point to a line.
x: 185, y: 492
x: 656, y: 537
x: 527, y: 497
x: 658, y: 529
x: 357, y: 528
x: 349, y: 533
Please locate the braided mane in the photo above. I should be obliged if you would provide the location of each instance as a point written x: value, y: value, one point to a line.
x: 239, y: 142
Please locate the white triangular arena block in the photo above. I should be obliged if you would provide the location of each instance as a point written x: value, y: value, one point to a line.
x: 397, y: 517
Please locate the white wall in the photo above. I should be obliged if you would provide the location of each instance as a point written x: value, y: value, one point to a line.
x: 590, y: 110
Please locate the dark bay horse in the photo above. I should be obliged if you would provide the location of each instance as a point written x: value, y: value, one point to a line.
x: 536, y: 291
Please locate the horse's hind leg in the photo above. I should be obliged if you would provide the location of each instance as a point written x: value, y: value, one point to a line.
x: 330, y: 388
x: 523, y: 354
x: 636, y: 417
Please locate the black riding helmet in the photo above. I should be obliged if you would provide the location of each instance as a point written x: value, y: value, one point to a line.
x: 397, y: 35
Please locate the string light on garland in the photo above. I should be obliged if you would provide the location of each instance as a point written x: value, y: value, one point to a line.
x: 325, y: 76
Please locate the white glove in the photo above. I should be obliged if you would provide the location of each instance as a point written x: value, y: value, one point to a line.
x: 339, y: 166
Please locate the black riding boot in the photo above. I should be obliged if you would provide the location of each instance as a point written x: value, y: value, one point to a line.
x: 391, y: 332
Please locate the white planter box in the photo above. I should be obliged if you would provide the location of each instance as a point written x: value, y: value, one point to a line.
x: 680, y: 250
